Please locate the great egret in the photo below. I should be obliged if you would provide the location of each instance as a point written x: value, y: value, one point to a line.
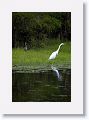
x: 55, y: 53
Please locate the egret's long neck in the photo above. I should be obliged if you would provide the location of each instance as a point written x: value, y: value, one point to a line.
x: 58, y: 48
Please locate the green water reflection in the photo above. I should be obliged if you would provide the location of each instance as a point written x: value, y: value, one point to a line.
x: 43, y: 86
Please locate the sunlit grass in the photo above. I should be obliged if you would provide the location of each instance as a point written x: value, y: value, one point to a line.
x: 39, y: 57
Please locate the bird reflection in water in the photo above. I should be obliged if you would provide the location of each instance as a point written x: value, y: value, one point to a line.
x: 59, y: 77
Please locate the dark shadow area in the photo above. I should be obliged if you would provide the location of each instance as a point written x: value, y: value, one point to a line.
x: 42, y: 86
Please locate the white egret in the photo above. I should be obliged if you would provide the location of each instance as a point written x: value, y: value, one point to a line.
x: 55, y: 53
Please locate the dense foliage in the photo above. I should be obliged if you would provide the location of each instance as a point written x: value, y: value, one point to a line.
x: 36, y: 29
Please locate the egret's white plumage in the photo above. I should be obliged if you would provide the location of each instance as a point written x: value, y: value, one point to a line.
x: 55, y: 53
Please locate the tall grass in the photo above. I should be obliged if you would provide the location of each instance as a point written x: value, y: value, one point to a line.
x: 39, y: 56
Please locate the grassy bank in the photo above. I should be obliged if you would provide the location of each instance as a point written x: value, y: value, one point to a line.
x: 35, y: 58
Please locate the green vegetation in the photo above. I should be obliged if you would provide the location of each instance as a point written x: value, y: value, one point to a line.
x: 35, y: 35
x: 38, y: 58
x: 37, y: 28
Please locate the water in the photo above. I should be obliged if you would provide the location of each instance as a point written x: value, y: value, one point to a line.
x: 43, y: 86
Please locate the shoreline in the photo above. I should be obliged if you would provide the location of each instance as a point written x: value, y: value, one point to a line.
x: 30, y: 68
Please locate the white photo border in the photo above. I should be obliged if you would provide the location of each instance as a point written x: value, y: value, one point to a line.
x: 76, y: 104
